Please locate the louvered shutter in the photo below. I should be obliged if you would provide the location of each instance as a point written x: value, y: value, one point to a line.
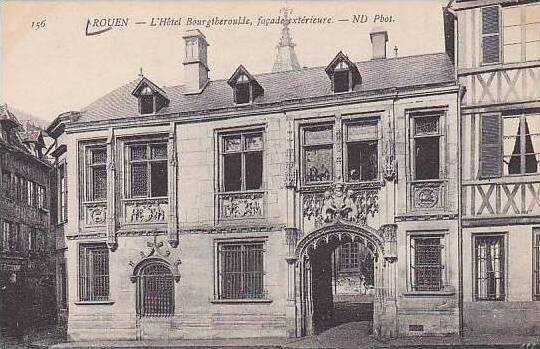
x: 490, y: 35
x: 491, y: 146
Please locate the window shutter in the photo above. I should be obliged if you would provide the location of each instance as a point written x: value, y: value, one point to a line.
x: 491, y: 146
x: 490, y: 35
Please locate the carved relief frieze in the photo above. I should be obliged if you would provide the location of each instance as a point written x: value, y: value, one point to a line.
x: 340, y: 203
x: 146, y: 211
x: 241, y: 205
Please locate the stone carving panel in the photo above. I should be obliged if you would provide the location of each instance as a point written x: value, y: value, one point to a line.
x: 146, y: 211
x: 241, y: 205
x: 96, y: 214
x: 428, y: 195
x: 340, y: 203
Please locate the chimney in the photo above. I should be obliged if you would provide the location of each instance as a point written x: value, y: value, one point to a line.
x: 195, y: 62
x: 379, y: 38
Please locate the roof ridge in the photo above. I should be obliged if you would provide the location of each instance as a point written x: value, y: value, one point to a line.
x: 318, y: 67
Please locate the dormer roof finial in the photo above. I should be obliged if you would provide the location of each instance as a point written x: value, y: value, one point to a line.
x: 141, y: 72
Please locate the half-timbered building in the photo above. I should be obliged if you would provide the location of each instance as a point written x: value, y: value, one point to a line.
x: 24, y: 223
x: 496, y: 47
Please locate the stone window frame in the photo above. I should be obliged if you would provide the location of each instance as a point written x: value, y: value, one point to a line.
x: 330, y: 144
x: 84, y: 250
x: 443, y: 235
x: 85, y: 148
x: 263, y: 240
x: 504, y: 238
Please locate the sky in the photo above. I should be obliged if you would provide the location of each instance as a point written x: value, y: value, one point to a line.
x: 49, y: 65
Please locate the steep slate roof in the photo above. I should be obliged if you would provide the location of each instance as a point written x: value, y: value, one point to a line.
x: 382, y: 74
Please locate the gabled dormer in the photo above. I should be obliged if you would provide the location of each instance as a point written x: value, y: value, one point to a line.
x: 245, y: 88
x: 343, y: 74
x: 151, y: 97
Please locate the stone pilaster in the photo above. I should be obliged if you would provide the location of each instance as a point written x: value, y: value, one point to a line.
x: 172, y: 222
x: 112, y: 241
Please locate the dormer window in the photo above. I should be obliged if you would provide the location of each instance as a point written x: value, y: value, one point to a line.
x: 146, y: 101
x: 245, y: 88
x: 343, y: 74
x: 150, y: 97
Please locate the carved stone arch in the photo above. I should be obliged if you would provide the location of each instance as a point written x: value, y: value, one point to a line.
x: 341, y: 230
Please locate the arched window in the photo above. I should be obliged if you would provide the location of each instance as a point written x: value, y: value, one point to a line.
x: 155, y: 290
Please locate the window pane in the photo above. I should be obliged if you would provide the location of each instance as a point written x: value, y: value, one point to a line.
x: 318, y: 135
x: 138, y: 153
x: 532, y: 50
x: 362, y: 132
x: 232, y: 172
x: 512, y: 16
x: 254, y: 168
x: 158, y: 151
x: 512, y: 35
x: 426, y: 125
x: 362, y: 161
x: 427, y: 158
x: 139, y: 180
x: 232, y: 144
x: 427, y: 264
x: 532, y: 13
x: 254, y: 142
x: 512, y: 53
x: 341, y: 81
x: 99, y: 156
x: 241, y: 91
x: 99, y: 183
x: 532, y: 32
x: 159, y: 178
x: 319, y: 164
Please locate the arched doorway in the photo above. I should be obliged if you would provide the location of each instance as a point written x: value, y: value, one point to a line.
x: 155, y: 290
x: 327, y: 295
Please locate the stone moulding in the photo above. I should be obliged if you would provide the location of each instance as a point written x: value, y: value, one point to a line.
x: 155, y: 254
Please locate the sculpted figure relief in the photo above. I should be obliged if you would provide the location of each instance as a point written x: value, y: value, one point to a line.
x: 341, y: 203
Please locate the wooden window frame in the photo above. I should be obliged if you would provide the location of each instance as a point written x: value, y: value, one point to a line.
x: 522, y: 26
x: 148, y: 161
x: 84, y: 252
x: 440, y: 134
x: 90, y: 168
x: 504, y: 264
x: 522, y: 139
x: 536, y: 263
x: 218, y: 289
x: 347, y: 143
x: 62, y: 193
x: 304, y: 147
x: 221, y: 151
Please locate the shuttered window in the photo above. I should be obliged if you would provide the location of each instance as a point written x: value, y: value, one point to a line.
x: 491, y: 149
x: 490, y: 35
